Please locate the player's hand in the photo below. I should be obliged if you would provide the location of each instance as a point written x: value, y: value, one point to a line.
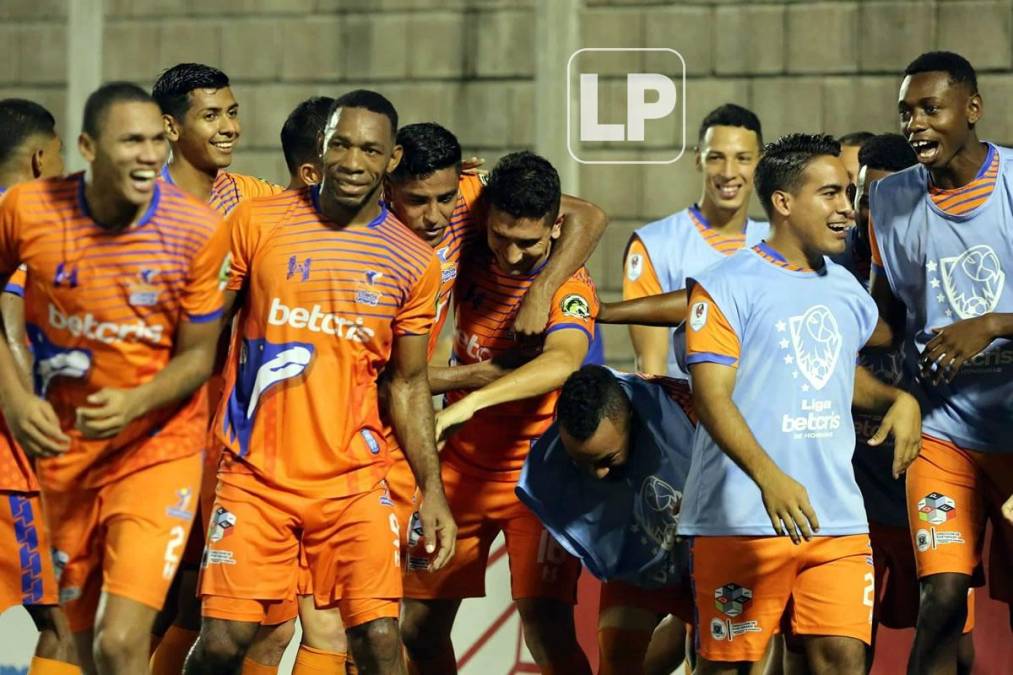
x: 532, y: 315
x: 788, y: 506
x: 439, y: 531
x: 1007, y: 509
x: 452, y: 416
x: 904, y: 421
x: 110, y: 411
x: 472, y: 166
x: 36, y: 428
x: 953, y: 345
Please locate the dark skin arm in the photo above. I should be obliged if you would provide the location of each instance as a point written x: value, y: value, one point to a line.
x: 902, y: 418
x: 667, y: 309
x: 411, y: 412
x: 111, y: 409
x: 582, y: 227
x: 956, y: 344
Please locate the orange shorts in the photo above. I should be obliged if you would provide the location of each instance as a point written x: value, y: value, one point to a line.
x: 951, y: 493
x: 125, y: 537
x: 661, y: 601
x: 742, y: 586
x: 258, y: 533
x: 27, y: 575
x: 406, y: 497
x: 539, y: 567
x: 896, y: 600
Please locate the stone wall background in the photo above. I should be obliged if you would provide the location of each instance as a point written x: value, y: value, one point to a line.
x: 472, y: 66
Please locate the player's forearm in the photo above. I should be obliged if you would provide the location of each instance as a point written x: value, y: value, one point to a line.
x: 871, y: 395
x: 667, y: 309
x: 650, y: 344
x: 582, y: 228
x: 723, y: 420
x: 12, y: 384
x: 23, y: 357
x: 12, y: 309
x: 882, y: 336
x: 463, y: 377
x: 180, y: 378
x: 546, y: 372
x: 411, y: 412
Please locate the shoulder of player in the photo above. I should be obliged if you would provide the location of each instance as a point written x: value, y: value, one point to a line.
x: 251, y: 187
x: 186, y: 208
x: 662, y: 225
x: 397, y: 236
x: 42, y: 192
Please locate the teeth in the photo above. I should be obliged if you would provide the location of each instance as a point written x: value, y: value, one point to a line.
x: 143, y: 174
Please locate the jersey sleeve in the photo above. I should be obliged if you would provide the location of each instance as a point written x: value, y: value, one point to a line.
x: 250, y: 187
x: 202, y: 296
x: 639, y: 277
x: 417, y: 314
x: 470, y: 187
x: 16, y: 284
x: 9, y: 253
x: 710, y: 337
x: 241, y: 247
x: 574, y: 306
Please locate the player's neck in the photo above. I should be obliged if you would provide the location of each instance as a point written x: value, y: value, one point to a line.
x: 188, y: 178
x: 109, y: 211
x: 343, y: 216
x: 792, y: 250
x: 963, y: 167
x: 9, y: 179
x: 724, y: 220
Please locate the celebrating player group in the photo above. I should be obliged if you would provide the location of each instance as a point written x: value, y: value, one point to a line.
x: 217, y: 392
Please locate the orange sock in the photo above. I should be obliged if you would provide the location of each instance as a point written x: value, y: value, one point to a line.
x: 311, y: 661
x: 172, y: 650
x: 41, y: 666
x: 251, y: 667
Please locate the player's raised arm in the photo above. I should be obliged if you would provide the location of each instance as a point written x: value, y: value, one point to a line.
x: 581, y: 227
x: 666, y: 309
x: 411, y: 411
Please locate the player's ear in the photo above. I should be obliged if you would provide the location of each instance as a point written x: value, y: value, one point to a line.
x: 557, y: 227
x: 309, y: 173
x: 974, y: 109
x: 36, y: 160
x: 781, y: 200
x: 698, y: 158
x: 86, y: 146
x: 395, y: 158
x: 171, y: 128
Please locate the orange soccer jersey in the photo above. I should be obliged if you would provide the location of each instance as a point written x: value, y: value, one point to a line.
x: 322, y: 309
x: 101, y: 310
x: 229, y: 189
x: 486, y: 302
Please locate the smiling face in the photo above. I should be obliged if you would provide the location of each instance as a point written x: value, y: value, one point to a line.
x: 207, y: 134
x: 427, y: 204
x: 519, y: 244
x: 359, y: 151
x: 128, y: 151
x: 936, y: 117
x: 727, y: 157
x: 819, y: 213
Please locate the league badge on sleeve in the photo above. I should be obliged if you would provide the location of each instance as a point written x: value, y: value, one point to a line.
x: 698, y: 315
x: 634, y: 267
x: 576, y: 306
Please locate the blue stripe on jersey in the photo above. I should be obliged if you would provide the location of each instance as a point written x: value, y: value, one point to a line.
x: 28, y: 549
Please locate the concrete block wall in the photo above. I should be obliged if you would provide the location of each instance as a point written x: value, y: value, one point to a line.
x: 828, y: 66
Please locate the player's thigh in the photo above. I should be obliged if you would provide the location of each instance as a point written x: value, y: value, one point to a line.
x: 251, y: 560
x: 833, y: 592
x: 147, y: 517
x: 27, y: 576
x: 539, y: 566
x: 945, y: 510
x: 741, y: 586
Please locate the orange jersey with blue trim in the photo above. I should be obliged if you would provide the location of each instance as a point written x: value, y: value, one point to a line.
x: 322, y: 308
x: 229, y: 189
x: 495, y: 442
x: 102, y: 309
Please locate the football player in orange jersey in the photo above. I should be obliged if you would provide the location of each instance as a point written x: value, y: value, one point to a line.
x: 119, y: 363
x: 202, y: 123
x: 315, y: 472
x: 29, y: 148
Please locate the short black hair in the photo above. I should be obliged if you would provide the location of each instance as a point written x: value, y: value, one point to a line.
x: 524, y: 185
x: 172, y: 90
x: 855, y: 138
x: 731, y: 115
x: 368, y: 100
x: 588, y: 396
x: 784, y: 161
x: 301, y: 130
x: 887, y: 152
x: 428, y: 148
x: 959, y: 69
x: 104, y: 97
x: 20, y: 120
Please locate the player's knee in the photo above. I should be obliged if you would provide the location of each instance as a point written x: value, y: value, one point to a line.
x: 836, y: 655
x: 380, y: 636
x: 943, y: 601
x: 271, y: 642
x: 114, y: 643
x: 424, y: 631
x: 222, y: 645
x: 323, y: 629
x: 548, y: 628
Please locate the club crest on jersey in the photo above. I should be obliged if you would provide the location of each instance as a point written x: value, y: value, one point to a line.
x: 448, y: 270
x: 634, y: 267
x: 299, y: 269
x: 223, y: 271
x: 576, y: 306
x: 181, y: 509
x: 972, y: 281
x: 816, y: 341
x: 143, y: 292
x: 368, y: 293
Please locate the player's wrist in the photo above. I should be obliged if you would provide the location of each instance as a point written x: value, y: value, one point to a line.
x: 998, y: 325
